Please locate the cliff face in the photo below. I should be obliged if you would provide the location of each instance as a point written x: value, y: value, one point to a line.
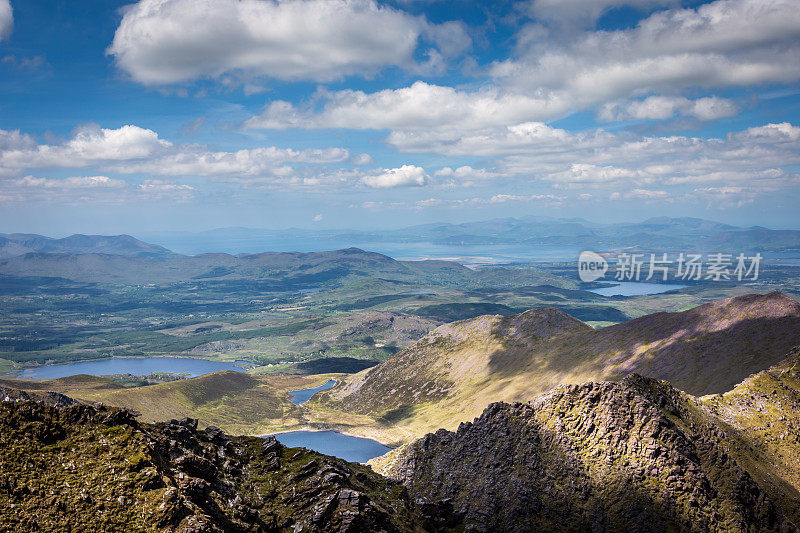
x: 81, y: 468
x: 636, y: 455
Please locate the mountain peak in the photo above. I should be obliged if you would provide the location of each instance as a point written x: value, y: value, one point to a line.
x: 569, y: 460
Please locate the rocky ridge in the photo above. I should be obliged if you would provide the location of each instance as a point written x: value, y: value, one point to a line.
x: 85, y: 468
x: 634, y: 455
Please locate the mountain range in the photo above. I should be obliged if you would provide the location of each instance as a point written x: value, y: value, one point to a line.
x: 633, y: 455
x: 16, y: 244
x: 275, y: 270
x: 655, y: 234
x: 452, y: 373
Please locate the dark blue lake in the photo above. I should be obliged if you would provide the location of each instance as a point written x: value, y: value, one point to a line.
x: 356, y: 449
x: 137, y: 366
x: 302, y: 396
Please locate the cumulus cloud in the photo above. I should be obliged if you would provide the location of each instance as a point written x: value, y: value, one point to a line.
x: 421, y: 106
x: 723, y: 43
x: 6, y: 19
x: 15, y: 140
x: 89, y: 144
x: 131, y: 149
x: 761, y: 157
x: 404, y: 176
x: 169, y: 41
x: 664, y: 107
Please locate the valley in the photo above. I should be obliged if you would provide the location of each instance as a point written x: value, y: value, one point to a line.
x: 573, y: 406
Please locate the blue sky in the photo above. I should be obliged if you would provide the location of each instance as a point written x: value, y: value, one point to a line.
x: 195, y: 114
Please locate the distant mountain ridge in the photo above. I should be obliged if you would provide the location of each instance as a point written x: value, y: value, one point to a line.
x: 452, y: 373
x: 285, y: 270
x: 654, y: 234
x: 17, y: 244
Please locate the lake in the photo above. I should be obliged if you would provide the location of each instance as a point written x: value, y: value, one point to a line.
x: 138, y: 366
x: 302, y: 396
x: 636, y: 288
x: 356, y: 449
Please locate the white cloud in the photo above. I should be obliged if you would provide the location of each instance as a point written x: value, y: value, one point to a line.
x: 15, y: 140
x: 421, y: 106
x: 199, y: 161
x: 6, y: 19
x: 90, y: 144
x: 664, y: 107
x: 772, y: 133
x: 77, y: 182
x: 131, y: 149
x: 723, y: 43
x: 467, y: 175
x: 405, y: 176
x: 169, y: 41
x: 761, y: 157
x: 362, y: 159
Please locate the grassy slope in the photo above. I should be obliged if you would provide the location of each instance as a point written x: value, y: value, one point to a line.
x: 452, y: 374
x: 238, y: 403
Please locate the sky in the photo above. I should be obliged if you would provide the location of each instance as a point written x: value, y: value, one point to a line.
x: 187, y: 115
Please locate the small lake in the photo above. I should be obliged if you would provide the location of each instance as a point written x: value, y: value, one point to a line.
x: 636, y: 288
x: 138, y: 366
x: 356, y: 449
x: 302, y: 396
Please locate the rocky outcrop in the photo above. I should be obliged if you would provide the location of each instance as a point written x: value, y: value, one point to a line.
x: 85, y: 468
x: 8, y: 394
x: 637, y: 455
